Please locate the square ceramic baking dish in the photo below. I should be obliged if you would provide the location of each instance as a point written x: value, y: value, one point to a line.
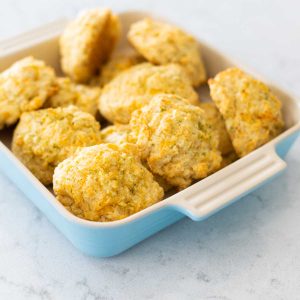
x: 197, y: 202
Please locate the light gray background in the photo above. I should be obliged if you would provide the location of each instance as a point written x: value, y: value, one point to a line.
x: 250, y: 250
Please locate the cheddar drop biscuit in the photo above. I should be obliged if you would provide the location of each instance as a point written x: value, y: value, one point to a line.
x: 162, y: 43
x: 24, y: 86
x: 135, y: 87
x: 88, y: 42
x: 252, y: 113
x: 175, y: 139
x: 103, y: 183
x: 46, y: 137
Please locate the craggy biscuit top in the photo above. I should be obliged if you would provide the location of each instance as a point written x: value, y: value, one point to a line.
x: 175, y: 139
x: 251, y: 111
x: 135, y: 87
x: 46, y: 137
x: 69, y: 93
x: 87, y: 42
x: 24, y: 87
x: 162, y: 43
x: 103, y: 183
x: 215, y: 119
x: 115, y: 66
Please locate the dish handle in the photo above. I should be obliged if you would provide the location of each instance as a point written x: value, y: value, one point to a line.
x: 233, y: 182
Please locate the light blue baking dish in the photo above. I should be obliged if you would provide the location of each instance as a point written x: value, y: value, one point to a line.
x: 197, y: 202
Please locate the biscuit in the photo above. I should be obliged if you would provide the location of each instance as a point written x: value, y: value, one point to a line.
x: 24, y: 86
x: 162, y: 43
x: 46, y: 137
x: 252, y: 113
x: 87, y: 43
x: 135, y: 87
x: 175, y: 139
x: 103, y: 183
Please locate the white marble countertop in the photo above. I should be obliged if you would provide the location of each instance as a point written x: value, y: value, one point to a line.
x: 250, y: 250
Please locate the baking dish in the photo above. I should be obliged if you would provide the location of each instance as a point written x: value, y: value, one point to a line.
x: 198, y: 201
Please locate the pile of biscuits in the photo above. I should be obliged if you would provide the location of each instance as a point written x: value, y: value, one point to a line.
x: 158, y: 137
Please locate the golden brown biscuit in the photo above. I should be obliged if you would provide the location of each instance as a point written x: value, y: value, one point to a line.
x: 216, y: 120
x: 162, y: 43
x: 87, y: 43
x: 69, y: 93
x: 103, y: 183
x: 176, y: 140
x: 46, y: 137
x: 252, y: 113
x: 24, y: 87
x: 135, y: 87
x: 114, y: 67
